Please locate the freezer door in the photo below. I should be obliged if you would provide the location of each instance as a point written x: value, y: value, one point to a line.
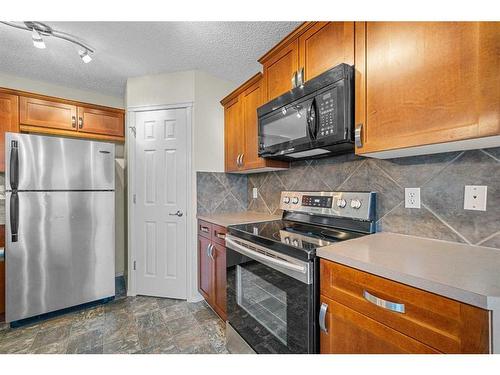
x: 64, y: 251
x: 38, y: 162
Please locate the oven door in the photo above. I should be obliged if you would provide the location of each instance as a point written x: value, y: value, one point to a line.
x: 271, y: 302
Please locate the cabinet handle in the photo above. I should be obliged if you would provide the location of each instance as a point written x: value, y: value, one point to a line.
x: 208, y: 250
x: 294, y: 80
x: 358, y: 135
x: 220, y: 235
x: 241, y: 159
x: 388, y: 305
x: 322, y: 317
x: 212, y: 252
x: 80, y: 123
x: 300, y: 77
x: 73, y: 121
x: 204, y: 229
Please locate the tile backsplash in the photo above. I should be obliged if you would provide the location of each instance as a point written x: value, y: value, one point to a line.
x: 441, y: 177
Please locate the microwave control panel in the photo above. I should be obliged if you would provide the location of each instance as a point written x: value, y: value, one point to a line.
x: 326, y: 106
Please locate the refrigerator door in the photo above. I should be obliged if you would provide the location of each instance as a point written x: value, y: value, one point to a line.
x: 64, y: 251
x: 35, y: 162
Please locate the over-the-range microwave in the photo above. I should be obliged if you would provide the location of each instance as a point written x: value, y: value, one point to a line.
x: 313, y: 120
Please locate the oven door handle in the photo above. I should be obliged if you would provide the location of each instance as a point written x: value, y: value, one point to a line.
x: 258, y: 256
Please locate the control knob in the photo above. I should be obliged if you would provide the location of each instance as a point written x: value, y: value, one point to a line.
x: 341, y: 203
x: 286, y: 200
x: 356, y: 203
x: 295, y: 243
x: 295, y: 200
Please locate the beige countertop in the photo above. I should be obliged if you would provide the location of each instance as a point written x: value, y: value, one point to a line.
x: 234, y: 218
x: 470, y: 274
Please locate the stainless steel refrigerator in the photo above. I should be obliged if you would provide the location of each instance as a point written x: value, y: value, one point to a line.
x: 60, y: 223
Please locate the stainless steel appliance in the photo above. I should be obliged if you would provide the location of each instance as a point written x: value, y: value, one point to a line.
x: 273, y: 273
x: 60, y: 223
x: 313, y: 120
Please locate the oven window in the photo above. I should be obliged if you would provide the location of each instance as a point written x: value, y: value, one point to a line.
x: 284, y: 127
x: 271, y: 311
x: 265, y: 302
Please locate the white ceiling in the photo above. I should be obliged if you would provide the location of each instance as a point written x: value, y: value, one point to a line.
x: 128, y: 49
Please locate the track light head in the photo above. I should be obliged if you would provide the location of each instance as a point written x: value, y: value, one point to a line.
x: 37, y: 39
x: 86, y: 58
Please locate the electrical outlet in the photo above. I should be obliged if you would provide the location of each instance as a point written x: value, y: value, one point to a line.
x: 475, y: 197
x: 255, y: 193
x: 412, y: 197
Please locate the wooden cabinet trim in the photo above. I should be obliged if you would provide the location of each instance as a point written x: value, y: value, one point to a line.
x: 290, y: 38
x: 444, y: 324
x: 228, y: 100
x: 69, y: 133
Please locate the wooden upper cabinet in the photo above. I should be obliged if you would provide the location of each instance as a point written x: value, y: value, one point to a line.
x: 97, y: 121
x: 47, y: 113
x: 233, y: 135
x: 9, y: 121
x: 424, y: 83
x: 279, y: 69
x: 325, y: 45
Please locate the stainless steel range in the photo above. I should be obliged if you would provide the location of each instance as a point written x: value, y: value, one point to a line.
x: 273, y: 272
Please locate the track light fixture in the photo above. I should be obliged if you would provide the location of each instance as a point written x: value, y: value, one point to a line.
x: 39, y: 30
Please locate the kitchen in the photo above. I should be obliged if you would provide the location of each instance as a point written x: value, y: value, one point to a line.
x: 334, y: 190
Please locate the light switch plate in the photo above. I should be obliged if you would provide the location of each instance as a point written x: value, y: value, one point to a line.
x: 254, y: 193
x: 412, y: 197
x: 475, y: 197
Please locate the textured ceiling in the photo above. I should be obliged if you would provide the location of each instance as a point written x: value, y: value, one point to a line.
x: 128, y: 49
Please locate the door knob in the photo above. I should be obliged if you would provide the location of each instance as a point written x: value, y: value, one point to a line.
x: 178, y: 213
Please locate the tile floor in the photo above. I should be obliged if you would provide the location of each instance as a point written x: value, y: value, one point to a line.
x: 126, y: 325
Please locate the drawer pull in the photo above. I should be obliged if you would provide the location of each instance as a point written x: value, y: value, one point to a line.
x: 204, y: 229
x: 388, y: 305
x: 220, y: 235
x: 322, y: 317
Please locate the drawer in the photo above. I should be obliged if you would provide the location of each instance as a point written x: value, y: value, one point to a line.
x: 219, y: 234
x: 442, y: 323
x: 205, y: 229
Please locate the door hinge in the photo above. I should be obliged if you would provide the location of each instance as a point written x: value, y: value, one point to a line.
x: 133, y: 198
x: 134, y: 265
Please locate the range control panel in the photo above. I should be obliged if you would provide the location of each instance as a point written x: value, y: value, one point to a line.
x: 355, y: 205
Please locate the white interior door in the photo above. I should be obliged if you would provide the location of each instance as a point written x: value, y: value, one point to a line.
x: 161, y: 192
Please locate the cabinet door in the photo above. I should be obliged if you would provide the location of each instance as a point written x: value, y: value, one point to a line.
x: 251, y: 99
x: 349, y: 332
x: 219, y: 279
x: 204, y: 269
x: 279, y: 70
x: 325, y: 45
x: 47, y: 114
x: 98, y: 121
x: 422, y: 83
x: 233, y: 135
x: 9, y: 121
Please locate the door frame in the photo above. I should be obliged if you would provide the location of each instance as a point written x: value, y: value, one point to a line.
x: 131, y: 191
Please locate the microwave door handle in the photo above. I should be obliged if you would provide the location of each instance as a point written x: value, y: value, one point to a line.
x: 312, y: 121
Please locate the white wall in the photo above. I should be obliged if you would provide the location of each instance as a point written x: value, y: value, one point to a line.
x: 209, y: 122
x: 160, y: 89
x: 207, y: 141
x: 46, y: 88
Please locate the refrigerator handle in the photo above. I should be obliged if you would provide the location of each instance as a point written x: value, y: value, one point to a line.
x: 14, y: 166
x: 14, y: 215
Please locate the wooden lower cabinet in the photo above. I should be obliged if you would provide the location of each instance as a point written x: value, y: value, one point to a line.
x: 212, y: 266
x: 9, y: 121
x: 424, y: 323
x: 350, y: 332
